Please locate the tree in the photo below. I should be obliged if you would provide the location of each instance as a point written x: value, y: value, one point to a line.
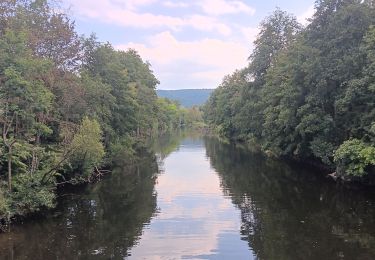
x: 276, y: 32
x: 87, y: 148
x: 354, y: 158
x: 25, y: 100
x: 308, y: 91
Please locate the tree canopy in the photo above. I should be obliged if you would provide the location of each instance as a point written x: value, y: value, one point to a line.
x: 307, y: 93
x: 68, y: 104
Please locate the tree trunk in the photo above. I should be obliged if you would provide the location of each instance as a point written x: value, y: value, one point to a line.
x: 10, y: 168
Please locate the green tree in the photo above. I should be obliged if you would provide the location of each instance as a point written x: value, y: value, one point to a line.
x: 354, y: 158
x: 25, y: 100
x: 276, y: 32
x: 87, y: 148
x: 306, y: 91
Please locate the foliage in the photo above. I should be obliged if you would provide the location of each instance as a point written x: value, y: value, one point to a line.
x: 3, y: 204
x: 30, y: 195
x: 87, y: 148
x: 306, y: 90
x: 68, y: 104
x: 277, y: 31
x: 122, y: 149
x: 354, y: 157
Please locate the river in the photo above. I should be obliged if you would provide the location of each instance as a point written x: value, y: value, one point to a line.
x: 200, y: 198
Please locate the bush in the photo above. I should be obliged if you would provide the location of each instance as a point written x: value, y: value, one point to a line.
x: 122, y: 150
x: 87, y: 147
x: 29, y: 195
x: 354, y: 158
x: 3, y: 205
x: 322, y: 150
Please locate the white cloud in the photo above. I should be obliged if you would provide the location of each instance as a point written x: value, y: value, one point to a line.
x: 119, y: 13
x: 210, y: 59
x: 200, y: 62
x: 172, y: 190
x: 306, y: 15
x: 205, y: 23
x: 134, y: 4
x: 250, y: 34
x: 220, y: 7
x: 175, y: 4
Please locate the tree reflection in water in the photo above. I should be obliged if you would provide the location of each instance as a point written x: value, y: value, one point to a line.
x: 105, y: 220
x: 289, y: 212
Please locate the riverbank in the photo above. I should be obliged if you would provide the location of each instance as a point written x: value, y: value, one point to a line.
x: 317, y: 165
x: 31, y: 206
x: 124, y: 160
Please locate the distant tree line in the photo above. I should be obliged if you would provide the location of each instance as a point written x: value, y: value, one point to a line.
x: 68, y: 104
x: 187, y: 97
x: 308, y: 92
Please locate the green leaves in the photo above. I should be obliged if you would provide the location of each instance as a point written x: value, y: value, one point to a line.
x: 306, y: 91
x: 277, y: 32
x: 354, y: 157
x: 29, y: 195
x: 3, y: 204
x: 87, y: 148
x: 67, y: 104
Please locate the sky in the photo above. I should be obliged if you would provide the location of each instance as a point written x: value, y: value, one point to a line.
x: 189, y: 43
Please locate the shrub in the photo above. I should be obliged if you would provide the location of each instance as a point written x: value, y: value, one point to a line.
x: 3, y: 205
x: 29, y: 195
x: 354, y: 157
x: 88, y: 150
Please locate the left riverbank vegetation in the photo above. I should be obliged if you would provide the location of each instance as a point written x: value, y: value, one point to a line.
x: 68, y: 105
x: 308, y: 92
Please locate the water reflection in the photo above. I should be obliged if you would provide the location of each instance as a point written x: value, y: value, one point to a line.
x: 194, y: 221
x: 290, y: 213
x: 102, y: 222
x: 202, y: 199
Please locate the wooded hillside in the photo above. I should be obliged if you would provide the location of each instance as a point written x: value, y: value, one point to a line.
x: 187, y: 97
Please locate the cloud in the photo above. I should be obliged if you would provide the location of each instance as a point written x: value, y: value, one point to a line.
x: 115, y: 13
x: 206, y: 23
x: 123, y: 14
x: 201, y: 62
x: 306, y: 15
x: 134, y: 4
x: 250, y: 33
x: 174, y: 4
x: 206, y: 61
x: 192, y: 225
x: 220, y: 7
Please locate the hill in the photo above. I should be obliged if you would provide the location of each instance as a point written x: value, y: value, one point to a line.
x: 187, y: 97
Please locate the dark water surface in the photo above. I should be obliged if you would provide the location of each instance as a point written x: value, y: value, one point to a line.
x: 203, y: 199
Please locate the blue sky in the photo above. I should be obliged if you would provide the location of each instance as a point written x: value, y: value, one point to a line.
x: 190, y: 44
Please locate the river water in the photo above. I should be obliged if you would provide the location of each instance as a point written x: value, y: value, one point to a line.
x: 200, y: 198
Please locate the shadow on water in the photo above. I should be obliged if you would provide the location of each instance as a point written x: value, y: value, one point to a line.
x: 288, y: 212
x: 283, y: 211
x: 104, y: 221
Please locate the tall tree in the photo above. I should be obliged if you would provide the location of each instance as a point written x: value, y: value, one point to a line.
x: 25, y: 100
x: 276, y: 32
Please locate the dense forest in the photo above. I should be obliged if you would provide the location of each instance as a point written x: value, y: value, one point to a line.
x: 68, y: 105
x: 308, y: 93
